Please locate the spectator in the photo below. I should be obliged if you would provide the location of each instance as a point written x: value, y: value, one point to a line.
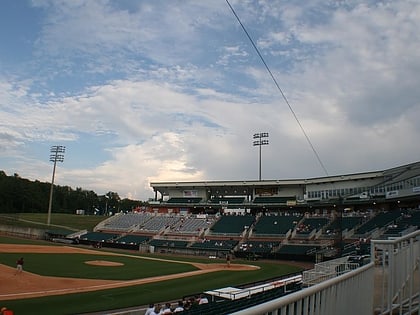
x: 179, y: 308
x: 166, y: 310
x: 150, y: 309
x: 203, y: 300
x: 157, y: 310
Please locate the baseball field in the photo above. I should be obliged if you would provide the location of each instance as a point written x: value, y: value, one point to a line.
x: 62, y: 279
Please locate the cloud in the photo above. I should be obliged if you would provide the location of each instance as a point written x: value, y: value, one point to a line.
x: 157, y: 91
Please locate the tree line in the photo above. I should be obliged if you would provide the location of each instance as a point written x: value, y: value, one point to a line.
x: 20, y: 195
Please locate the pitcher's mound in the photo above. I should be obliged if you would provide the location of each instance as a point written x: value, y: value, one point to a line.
x: 103, y: 263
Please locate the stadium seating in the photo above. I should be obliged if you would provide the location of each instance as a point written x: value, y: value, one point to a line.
x: 230, y: 224
x: 275, y: 225
x: 157, y: 223
x: 124, y: 222
x: 191, y: 225
x: 381, y: 220
x: 310, y: 224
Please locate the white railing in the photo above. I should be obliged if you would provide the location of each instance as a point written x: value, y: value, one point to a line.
x: 327, y: 270
x: 347, y: 294
x: 398, y: 274
x: 392, y: 275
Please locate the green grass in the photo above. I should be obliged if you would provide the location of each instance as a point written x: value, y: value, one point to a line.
x: 57, y: 220
x: 74, y: 266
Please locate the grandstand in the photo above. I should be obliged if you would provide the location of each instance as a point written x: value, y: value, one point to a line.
x: 312, y: 220
x: 303, y: 219
x: 272, y: 235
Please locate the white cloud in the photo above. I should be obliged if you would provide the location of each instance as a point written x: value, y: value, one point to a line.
x: 156, y: 91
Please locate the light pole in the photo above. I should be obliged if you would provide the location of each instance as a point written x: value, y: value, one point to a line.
x: 260, y: 139
x: 57, y: 155
x: 106, y: 204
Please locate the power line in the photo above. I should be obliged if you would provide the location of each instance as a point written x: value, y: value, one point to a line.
x: 281, y: 91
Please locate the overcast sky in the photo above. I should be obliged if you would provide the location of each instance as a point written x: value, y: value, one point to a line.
x: 145, y: 91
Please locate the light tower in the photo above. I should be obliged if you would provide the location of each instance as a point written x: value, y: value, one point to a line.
x: 57, y: 155
x: 260, y: 139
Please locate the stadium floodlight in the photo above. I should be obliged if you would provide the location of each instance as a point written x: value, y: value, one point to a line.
x: 260, y: 140
x: 57, y: 155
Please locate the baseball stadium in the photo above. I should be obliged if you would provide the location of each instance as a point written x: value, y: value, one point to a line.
x: 345, y: 244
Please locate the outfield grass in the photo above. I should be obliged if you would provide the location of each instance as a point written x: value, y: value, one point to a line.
x: 58, y: 220
x: 72, y: 265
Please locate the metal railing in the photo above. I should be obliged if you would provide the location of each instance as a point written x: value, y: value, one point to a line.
x: 347, y: 294
x: 398, y: 275
x: 389, y: 284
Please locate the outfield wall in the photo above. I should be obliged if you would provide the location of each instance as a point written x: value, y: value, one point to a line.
x: 24, y: 232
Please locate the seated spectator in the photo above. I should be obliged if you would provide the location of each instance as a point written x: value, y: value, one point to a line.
x: 202, y: 300
x: 166, y: 310
x: 179, y: 308
x: 150, y: 309
x: 156, y: 310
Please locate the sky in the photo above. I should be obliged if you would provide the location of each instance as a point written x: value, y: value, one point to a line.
x: 151, y: 91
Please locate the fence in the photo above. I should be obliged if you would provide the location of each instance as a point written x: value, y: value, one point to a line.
x: 398, y: 273
x: 392, y: 275
x: 347, y: 294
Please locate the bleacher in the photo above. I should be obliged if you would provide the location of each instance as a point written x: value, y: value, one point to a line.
x: 349, y: 222
x: 124, y: 222
x: 229, y: 224
x: 408, y: 222
x: 310, y: 224
x: 342, y: 224
x: 410, y: 218
x: 157, y: 223
x: 275, y: 225
x: 191, y: 225
x: 379, y: 221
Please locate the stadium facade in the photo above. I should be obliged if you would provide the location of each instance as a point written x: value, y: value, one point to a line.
x: 383, y: 190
